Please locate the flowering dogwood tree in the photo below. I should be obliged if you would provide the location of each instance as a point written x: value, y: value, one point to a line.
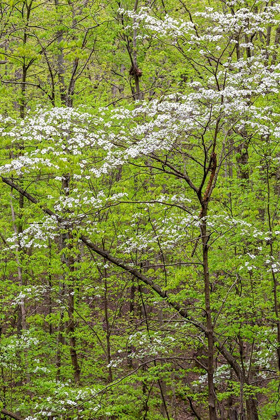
x: 175, y: 201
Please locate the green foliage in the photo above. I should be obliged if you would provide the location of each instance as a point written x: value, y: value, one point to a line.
x: 109, y: 288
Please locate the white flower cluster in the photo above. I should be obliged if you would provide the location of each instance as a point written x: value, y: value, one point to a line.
x: 24, y: 164
x: 65, y: 399
x: 13, y: 344
x: 29, y: 292
x: 168, y: 26
x: 145, y: 344
x: 86, y: 199
x: 224, y: 23
x: 36, y: 235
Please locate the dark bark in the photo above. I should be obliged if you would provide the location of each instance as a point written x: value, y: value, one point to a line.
x: 210, y: 328
x: 251, y: 407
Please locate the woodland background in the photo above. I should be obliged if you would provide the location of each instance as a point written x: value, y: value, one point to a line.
x: 139, y: 209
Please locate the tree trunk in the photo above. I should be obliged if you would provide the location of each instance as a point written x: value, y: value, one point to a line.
x: 251, y: 407
x: 210, y: 328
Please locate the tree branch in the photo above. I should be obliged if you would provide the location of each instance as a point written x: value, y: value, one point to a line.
x: 148, y: 281
x: 12, y: 415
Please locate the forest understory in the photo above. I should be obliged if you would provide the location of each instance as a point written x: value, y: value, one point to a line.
x: 139, y: 222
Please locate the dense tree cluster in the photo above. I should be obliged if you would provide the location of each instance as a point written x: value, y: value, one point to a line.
x: 139, y: 229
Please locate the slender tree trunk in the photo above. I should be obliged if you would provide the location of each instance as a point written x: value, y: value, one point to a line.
x: 18, y: 230
x: 71, y: 325
x: 242, y: 156
x: 68, y: 261
x: 108, y: 329
x: 161, y: 384
x: 58, y: 352
x: 23, y: 92
x: 60, y: 61
x: 131, y: 321
x: 210, y: 328
x: 25, y: 64
x: 135, y: 71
